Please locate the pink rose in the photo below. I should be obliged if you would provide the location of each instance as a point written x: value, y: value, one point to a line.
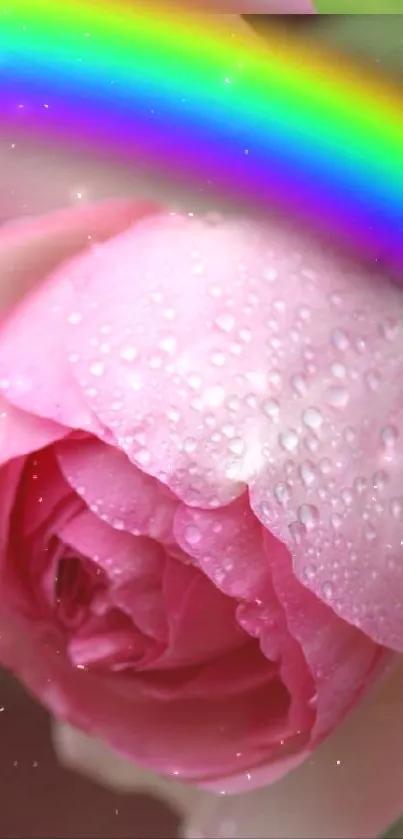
x: 200, y: 489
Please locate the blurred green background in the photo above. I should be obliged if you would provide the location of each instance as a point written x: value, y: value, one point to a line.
x: 377, y: 37
x: 363, y: 7
x: 396, y: 832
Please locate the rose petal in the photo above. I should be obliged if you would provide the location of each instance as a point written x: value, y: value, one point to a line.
x: 44, y: 499
x: 167, y: 371
x: 134, y: 567
x: 10, y: 475
x: 22, y: 433
x: 167, y: 736
x: 34, y: 248
x: 264, y: 619
x: 42, y: 502
x: 34, y: 371
x: 124, y: 558
x: 342, y: 661
x: 227, y: 544
x: 278, y: 365
x: 235, y: 672
x: 111, y: 645
x: 115, y: 490
x: 195, y: 610
x: 147, y: 611
x: 194, y: 607
x: 28, y: 345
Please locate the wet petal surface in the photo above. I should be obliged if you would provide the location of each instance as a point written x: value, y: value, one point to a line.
x: 243, y: 354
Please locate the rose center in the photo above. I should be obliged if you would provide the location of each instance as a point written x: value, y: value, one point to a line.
x: 77, y: 583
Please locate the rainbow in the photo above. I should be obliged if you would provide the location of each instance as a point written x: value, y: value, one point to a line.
x: 276, y: 123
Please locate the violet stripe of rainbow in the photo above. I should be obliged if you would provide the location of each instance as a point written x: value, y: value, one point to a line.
x: 274, y: 122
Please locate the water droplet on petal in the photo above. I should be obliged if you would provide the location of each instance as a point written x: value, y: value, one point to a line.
x: 349, y: 435
x: 379, y: 480
x: 308, y: 515
x: 361, y: 345
x: 75, y: 318
x: 236, y: 446
x: 304, y: 313
x: 297, y: 532
x: 372, y: 380
x: 270, y: 274
x: 389, y: 435
x: 338, y: 371
x: 168, y: 344
x: 289, y: 439
x: 347, y: 497
x: 396, y: 508
x: 311, y: 443
x: 389, y: 328
x: 307, y: 473
x: 233, y: 403
x: 245, y: 335
x: 192, y: 534
x: 274, y: 378
x: 336, y: 521
x: 360, y: 485
x: 369, y: 532
x: 97, y: 368
x: 194, y: 381
x: 218, y: 359
x: 312, y: 418
x: 173, y: 414
x: 327, y: 591
x: 340, y: 340
x: 214, y: 396
x: 225, y: 322
x: 337, y: 397
x: 281, y: 493
x: 169, y: 314
x: 129, y: 353
x: 142, y: 457
x: 299, y: 384
x: 155, y: 362
x: 271, y: 408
